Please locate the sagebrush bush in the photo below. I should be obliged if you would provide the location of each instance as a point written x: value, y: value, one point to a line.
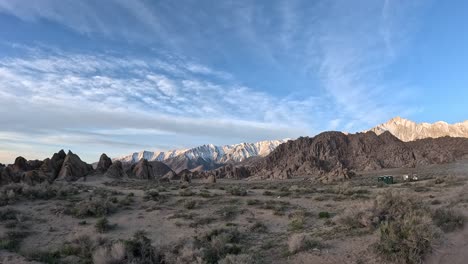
x: 237, y: 191
x: 448, y: 219
x: 102, y: 225
x: 219, y: 243
x: 110, y: 255
x: 406, y: 239
x: 302, y: 242
x: 92, y: 208
x: 190, y: 204
x: 140, y: 250
x: 11, y: 240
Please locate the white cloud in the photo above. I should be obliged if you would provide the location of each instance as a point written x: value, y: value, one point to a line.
x: 46, y: 96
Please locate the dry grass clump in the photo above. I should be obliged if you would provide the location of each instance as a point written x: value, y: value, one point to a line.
x: 448, y: 219
x: 92, y: 208
x: 190, y: 204
x: 219, y: 243
x: 228, y: 212
x: 237, y: 191
x: 237, y: 259
x: 11, y: 193
x: 110, y: 255
x: 406, y: 229
x: 407, y: 239
x: 302, y: 242
x: 297, y: 221
x: 102, y: 225
x: 259, y: 227
x: 11, y: 240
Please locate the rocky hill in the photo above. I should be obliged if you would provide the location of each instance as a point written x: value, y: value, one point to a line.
x: 205, y: 157
x: 332, y: 156
x: 407, y: 130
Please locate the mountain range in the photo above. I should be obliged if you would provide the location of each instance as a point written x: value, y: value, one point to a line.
x: 407, y: 130
x: 206, y: 157
x: 210, y: 157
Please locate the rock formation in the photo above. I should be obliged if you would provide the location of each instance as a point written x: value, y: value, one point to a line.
x: 141, y: 170
x: 34, y: 177
x: 73, y: 168
x: 115, y: 170
x: 51, y: 167
x: 104, y: 163
x: 185, y: 176
x: 332, y: 156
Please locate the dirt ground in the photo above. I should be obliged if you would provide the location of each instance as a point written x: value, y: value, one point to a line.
x: 265, y: 213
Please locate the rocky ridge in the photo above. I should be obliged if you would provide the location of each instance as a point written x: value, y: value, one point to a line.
x: 205, y: 157
x: 332, y: 156
x: 407, y: 130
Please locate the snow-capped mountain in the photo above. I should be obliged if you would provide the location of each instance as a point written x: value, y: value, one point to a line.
x: 206, y: 154
x: 407, y: 130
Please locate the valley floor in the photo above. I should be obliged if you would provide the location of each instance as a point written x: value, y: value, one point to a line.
x: 288, y: 221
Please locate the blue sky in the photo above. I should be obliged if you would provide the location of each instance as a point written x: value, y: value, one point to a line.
x: 119, y: 76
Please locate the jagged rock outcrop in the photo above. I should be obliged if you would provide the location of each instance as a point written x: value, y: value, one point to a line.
x: 407, y: 130
x: 34, y: 177
x: 51, y: 167
x: 74, y: 168
x: 104, y: 163
x: 162, y: 171
x: 210, y: 179
x: 115, y: 170
x: 141, y: 170
x: 185, y: 176
x: 21, y: 164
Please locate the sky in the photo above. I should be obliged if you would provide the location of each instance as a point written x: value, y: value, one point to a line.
x: 120, y: 76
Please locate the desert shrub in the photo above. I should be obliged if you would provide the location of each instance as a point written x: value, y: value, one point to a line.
x: 237, y: 259
x: 140, y: 250
x: 190, y: 204
x: 110, y: 255
x: 186, y: 192
x: 228, y: 212
x: 297, y: 221
x: 392, y: 205
x: 219, y: 243
x: 302, y: 242
x: 92, y: 208
x: 406, y: 239
x: 184, y: 252
x: 201, y: 221
x: 448, y: 219
x: 259, y: 227
x: 151, y: 195
x: 102, y: 225
x: 11, y: 240
x: 126, y: 201
x: 324, y: 215
x: 237, y: 191
x: 253, y: 202
x: 8, y: 214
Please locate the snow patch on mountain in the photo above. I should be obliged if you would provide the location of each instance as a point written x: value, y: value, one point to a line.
x: 209, y: 152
